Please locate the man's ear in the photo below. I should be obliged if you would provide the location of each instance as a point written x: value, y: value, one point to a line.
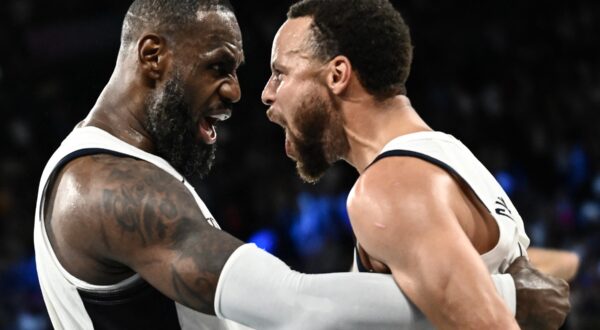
x: 153, y: 56
x: 339, y: 74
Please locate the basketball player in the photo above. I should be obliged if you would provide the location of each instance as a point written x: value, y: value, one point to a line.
x: 423, y: 207
x: 123, y: 241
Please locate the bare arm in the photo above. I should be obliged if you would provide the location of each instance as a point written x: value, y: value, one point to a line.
x: 129, y: 216
x: 157, y: 230
x: 558, y: 263
x: 403, y: 217
x: 143, y: 220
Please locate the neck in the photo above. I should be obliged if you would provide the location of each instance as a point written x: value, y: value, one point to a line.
x: 120, y: 110
x: 370, y: 125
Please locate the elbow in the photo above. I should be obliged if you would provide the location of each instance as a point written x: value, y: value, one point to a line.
x: 571, y: 266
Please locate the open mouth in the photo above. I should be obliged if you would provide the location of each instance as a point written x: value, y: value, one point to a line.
x: 207, y: 126
x: 289, y: 147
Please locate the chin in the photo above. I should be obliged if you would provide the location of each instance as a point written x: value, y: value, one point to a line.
x: 309, y: 176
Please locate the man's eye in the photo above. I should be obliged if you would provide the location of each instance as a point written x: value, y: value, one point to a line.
x: 222, y: 68
x: 277, y: 76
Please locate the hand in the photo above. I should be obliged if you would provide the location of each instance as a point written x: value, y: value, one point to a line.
x: 542, y: 300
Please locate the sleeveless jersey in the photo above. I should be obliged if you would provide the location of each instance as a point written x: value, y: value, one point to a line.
x: 129, y: 304
x: 451, y: 155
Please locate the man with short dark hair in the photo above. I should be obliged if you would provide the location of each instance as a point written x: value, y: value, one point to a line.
x: 122, y: 239
x: 423, y: 207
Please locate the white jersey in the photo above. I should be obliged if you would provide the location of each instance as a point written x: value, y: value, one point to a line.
x: 450, y: 154
x: 129, y: 304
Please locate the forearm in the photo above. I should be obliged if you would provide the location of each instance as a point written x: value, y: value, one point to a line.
x: 260, y: 291
x: 558, y: 263
x: 457, y: 296
x: 470, y: 305
x: 454, y: 300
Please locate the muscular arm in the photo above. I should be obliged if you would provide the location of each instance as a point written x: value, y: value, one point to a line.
x: 131, y: 215
x: 558, y: 263
x: 121, y: 213
x: 402, y: 216
x: 157, y: 229
x: 141, y: 218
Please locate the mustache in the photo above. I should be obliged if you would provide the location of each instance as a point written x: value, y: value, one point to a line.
x: 276, y: 118
x: 221, y: 110
x: 220, y: 107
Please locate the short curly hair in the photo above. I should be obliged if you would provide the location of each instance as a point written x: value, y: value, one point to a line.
x: 172, y: 15
x: 371, y: 33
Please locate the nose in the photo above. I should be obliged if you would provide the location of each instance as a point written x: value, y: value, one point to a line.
x: 230, y: 90
x: 268, y: 93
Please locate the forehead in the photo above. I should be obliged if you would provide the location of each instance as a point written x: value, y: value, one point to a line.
x: 291, y: 39
x: 216, y: 29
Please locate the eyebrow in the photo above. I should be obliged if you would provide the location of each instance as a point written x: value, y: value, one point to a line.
x: 241, y: 62
x: 231, y: 54
x: 227, y: 54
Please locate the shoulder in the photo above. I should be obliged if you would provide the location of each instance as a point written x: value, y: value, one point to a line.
x: 397, y: 187
x: 99, y: 176
x: 104, y: 204
x: 91, y: 183
x: 109, y: 169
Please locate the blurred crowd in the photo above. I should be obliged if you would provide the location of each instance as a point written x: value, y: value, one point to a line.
x: 517, y: 81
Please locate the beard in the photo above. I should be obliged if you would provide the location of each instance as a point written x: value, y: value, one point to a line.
x: 322, y: 139
x: 174, y: 131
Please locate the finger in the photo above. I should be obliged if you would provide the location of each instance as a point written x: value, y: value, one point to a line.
x: 517, y: 264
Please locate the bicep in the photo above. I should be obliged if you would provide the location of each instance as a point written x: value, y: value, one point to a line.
x: 152, y: 224
x: 425, y: 249
x: 188, y: 270
x: 412, y: 229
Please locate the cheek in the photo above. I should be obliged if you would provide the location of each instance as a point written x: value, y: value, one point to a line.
x: 201, y: 97
x: 291, y: 97
x: 285, y: 103
x: 201, y: 85
x: 290, y: 91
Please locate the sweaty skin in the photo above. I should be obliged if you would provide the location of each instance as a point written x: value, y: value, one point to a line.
x: 420, y: 205
x: 403, y: 211
x: 109, y: 217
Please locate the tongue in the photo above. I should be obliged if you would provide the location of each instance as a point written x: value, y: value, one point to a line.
x: 207, y: 131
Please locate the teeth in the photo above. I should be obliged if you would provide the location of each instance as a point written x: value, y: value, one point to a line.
x: 220, y: 117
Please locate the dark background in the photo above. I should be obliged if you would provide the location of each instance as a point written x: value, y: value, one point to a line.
x: 517, y: 81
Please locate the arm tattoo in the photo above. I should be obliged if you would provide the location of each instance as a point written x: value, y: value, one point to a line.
x: 149, y: 207
x: 133, y: 203
x: 188, y: 294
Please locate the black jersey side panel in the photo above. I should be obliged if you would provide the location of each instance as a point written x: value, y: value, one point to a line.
x: 137, y: 307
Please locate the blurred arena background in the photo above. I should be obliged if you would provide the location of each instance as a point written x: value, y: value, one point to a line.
x: 517, y: 81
